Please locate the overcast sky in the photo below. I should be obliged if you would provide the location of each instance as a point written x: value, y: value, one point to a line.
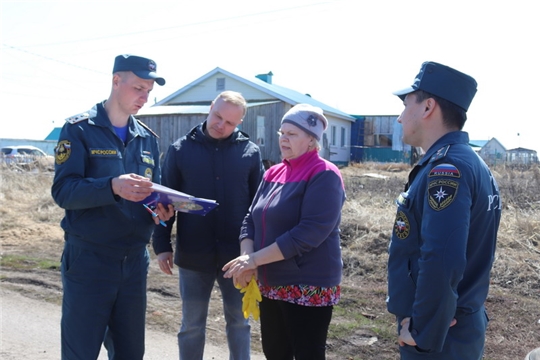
x: 57, y: 56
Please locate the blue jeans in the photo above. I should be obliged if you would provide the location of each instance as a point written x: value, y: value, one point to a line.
x: 195, y: 290
x: 104, y: 301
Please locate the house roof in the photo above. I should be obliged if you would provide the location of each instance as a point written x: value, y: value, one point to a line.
x: 477, y: 143
x: 522, y: 150
x: 498, y: 142
x: 290, y: 96
x: 54, y: 134
x: 186, y: 109
x: 174, y: 109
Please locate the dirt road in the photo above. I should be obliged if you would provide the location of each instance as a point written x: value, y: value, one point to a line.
x: 31, y: 330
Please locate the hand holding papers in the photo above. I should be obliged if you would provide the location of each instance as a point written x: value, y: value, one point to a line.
x: 181, y: 201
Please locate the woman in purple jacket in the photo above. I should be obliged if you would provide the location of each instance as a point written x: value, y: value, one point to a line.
x: 290, y: 241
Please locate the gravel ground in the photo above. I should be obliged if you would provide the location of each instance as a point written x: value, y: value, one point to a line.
x: 31, y: 330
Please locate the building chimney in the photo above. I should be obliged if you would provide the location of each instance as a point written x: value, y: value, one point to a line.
x: 267, y: 78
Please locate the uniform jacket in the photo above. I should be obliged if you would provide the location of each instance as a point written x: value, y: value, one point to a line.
x: 228, y: 171
x: 298, y: 206
x: 89, y: 155
x: 443, y: 241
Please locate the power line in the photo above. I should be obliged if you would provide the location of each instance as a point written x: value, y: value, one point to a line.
x: 23, y: 48
x: 52, y: 59
x: 182, y: 26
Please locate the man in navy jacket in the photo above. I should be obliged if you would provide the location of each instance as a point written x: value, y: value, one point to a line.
x: 213, y: 161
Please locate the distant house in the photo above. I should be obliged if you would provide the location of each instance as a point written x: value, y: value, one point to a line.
x: 379, y: 138
x: 176, y: 114
x: 493, y: 152
x: 521, y: 156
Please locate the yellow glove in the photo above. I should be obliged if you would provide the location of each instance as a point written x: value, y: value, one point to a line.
x: 252, y: 298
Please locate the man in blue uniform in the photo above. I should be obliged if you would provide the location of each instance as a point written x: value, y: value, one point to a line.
x: 445, y: 231
x: 106, y: 162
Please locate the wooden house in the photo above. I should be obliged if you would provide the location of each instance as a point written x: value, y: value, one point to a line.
x: 521, y: 156
x: 179, y: 112
x: 379, y: 138
x: 493, y: 152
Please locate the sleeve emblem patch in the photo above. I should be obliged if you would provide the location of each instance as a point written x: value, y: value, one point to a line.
x: 62, y: 152
x: 402, y: 228
x: 442, y: 193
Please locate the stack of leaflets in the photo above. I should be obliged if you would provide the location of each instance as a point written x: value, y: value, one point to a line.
x: 182, y: 202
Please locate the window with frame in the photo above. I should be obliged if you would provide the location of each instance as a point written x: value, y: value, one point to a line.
x: 343, y: 137
x: 220, y: 84
x: 333, y: 135
x: 383, y: 140
x: 383, y: 130
x: 261, y: 131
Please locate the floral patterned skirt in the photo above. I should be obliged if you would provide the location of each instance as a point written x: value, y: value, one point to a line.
x: 305, y: 295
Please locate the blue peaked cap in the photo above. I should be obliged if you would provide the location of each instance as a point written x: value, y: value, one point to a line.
x: 444, y: 82
x: 140, y: 66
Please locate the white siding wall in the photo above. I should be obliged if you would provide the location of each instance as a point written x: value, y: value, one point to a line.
x: 338, y: 153
x: 206, y: 91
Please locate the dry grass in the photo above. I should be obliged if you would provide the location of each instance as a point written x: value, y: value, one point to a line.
x: 361, y: 327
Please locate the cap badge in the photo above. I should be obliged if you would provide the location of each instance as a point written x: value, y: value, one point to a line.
x: 151, y: 66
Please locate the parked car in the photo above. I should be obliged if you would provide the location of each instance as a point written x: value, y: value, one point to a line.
x: 22, y: 154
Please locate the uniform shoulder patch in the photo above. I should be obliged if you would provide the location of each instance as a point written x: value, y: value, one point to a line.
x: 402, y: 227
x: 78, y: 118
x: 147, y: 128
x: 62, y: 151
x: 441, y: 193
x: 445, y: 170
x: 441, y: 153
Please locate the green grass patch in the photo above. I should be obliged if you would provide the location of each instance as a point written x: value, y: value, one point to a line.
x: 21, y: 262
x: 345, y: 322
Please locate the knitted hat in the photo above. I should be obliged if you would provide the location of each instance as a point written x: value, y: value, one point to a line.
x: 308, y: 118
